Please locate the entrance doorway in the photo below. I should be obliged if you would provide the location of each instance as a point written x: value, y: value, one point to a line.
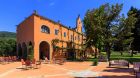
x: 44, y: 50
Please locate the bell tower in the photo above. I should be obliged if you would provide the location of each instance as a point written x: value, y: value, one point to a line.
x: 78, y: 24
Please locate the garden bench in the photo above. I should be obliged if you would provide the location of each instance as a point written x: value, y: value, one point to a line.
x: 119, y: 63
x: 137, y: 74
x: 59, y: 60
x: 136, y: 66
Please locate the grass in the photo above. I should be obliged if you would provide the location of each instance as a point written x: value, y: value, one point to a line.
x: 125, y: 56
x: 117, y: 56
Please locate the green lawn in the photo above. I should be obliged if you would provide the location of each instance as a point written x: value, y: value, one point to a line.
x: 125, y: 56
x: 117, y: 56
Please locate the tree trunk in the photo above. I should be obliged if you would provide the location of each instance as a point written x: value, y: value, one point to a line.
x: 108, y: 52
x: 132, y: 53
x: 108, y: 55
x: 95, y: 53
x: 121, y: 53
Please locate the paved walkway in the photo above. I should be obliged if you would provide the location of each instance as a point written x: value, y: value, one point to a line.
x: 67, y: 70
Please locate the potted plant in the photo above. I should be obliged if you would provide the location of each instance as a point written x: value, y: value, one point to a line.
x: 31, y: 53
x: 95, y: 62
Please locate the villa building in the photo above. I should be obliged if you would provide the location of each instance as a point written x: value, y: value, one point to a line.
x: 39, y: 32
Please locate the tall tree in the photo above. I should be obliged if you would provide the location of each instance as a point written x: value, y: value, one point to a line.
x: 111, y: 15
x: 136, y: 30
x: 118, y: 44
x: 2, y: 47
x: 98, y: 25
x: 7, y: 47
x: 125, y: 34
x: 92, y: 26
x: 12, y: 46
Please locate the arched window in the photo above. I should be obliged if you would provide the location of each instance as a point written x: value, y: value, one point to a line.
x: 45, y: 29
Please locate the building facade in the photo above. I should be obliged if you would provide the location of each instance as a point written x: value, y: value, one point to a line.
x: 39, y: 32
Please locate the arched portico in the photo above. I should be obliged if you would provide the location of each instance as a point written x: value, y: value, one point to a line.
x: 19, y: 52
x: 24, y: 51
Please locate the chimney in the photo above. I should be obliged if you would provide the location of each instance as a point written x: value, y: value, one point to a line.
x: 35, y: 12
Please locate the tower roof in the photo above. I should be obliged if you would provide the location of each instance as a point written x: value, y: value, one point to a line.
x: 78, y: 16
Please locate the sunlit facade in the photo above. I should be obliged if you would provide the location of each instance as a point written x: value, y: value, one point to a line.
x: 39, y: 31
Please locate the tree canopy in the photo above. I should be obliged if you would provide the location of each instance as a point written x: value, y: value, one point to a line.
x: 104, y: 23
x: 7, y: 47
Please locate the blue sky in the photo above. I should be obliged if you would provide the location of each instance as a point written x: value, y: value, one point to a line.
x: 12, y: 12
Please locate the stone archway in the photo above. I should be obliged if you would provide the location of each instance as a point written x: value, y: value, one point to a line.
x: 24, y: 51
x: 44, y: 50
x: 19, y: 51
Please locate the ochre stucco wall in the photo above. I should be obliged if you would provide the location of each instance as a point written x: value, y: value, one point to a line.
x: 30, y: 30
